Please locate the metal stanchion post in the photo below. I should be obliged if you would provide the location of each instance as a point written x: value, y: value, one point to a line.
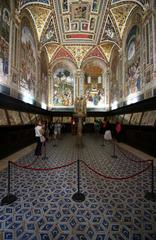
x: 78, y: 196
x: 151, y: 195
x: 10, y: 198
x: 114, y: 155
x: 103, y: 143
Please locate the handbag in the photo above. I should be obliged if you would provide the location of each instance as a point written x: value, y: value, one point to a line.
x: 108, y: 135
x: 42, y: 139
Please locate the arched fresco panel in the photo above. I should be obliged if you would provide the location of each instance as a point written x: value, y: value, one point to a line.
x: 4, y: 39
x: 133, y: 77
x: 94, y: 85
x: 63, y: 87
x: 28, y: 62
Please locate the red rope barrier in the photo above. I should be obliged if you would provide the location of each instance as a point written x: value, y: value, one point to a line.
x: 29, y: 165
x: 42, y: 169
x: 115, y: 178
x: 143, y: 161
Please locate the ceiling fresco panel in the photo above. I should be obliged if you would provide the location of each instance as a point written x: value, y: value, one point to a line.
x: 62, y: 53
x: 51, y: 49
x: 78, y: 17
x: 79, y: 52
x: 107, y: 50
x: 50, y: 33
x: 80, y: 11
x: 40, y: 15
x: 121, y: 14
x: 96, y: 5
x: 80, y: 37
x: 139, y: 1
x: 109, y: 31
x: 95, y: 52
x: 25, y: 2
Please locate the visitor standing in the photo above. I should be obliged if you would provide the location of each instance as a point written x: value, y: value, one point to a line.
x: 39, y: 138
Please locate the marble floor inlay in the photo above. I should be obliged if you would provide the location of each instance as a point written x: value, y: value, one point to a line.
x: 112, y: 210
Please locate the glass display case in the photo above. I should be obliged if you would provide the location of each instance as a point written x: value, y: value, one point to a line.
x: 3, y: 118
x: 126, y: 118
x: 66, y: 119
x: 149, y: 118
x: 25, y: 117
x: 89, y: 119
x: 14, y: 117
x: 33, y: 118
x: 55, y: 119
x: 136, y: 118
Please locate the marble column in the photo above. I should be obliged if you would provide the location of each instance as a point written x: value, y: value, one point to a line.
x: 79, y: 83
x: 107, y: 88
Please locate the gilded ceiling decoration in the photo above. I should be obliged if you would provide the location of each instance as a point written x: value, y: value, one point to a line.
x: 142, y: 2
x: 39, y: 15
x: 51, y: 49
x: 109, y: 32
x: 121, y: 14
x: 78, y: 19
x: 79, y: 26
x: 26, y: 2
x: 50, y: 34
x: 107, y: 49
x: 62, y: 53
x: 95, y: 52
x: 79, y: 52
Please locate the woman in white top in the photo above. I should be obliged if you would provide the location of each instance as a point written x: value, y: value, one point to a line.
x: 38, y: 135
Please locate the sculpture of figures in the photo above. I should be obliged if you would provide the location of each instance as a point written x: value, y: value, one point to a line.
x: 79, y: 127
x: 77, y: 105
x: 80, y: 105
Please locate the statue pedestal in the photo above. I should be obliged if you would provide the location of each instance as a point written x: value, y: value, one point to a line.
x: 79, y: 115
x: 79, y: 139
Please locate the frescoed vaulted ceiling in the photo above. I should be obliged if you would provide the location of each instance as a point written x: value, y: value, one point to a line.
x: 80, y: 28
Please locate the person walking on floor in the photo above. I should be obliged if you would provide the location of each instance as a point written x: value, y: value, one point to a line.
x: 39, y: 139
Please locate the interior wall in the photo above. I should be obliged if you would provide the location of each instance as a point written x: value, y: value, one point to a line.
x: 137, y: 58
x: 28, y: 61
x: 5, y: 12
x: 114, y: 77
x: 44, y: 78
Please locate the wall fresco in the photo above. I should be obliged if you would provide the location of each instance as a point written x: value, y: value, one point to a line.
x: 133, y: 75
x: 94, y: 93
x: 28, y: 62
x: 4, y: 39
x: 63, y: 88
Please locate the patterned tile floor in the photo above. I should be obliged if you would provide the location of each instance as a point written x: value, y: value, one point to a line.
x: 112, y: 210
